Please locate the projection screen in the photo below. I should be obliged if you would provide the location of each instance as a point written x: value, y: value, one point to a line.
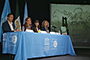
x: 78, y: 20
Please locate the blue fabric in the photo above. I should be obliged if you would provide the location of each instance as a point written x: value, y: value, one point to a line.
x: 32, y: 45
x: 6, y: 11
x: 25, y: 13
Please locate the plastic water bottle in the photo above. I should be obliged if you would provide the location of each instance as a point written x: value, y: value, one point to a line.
x: 23, y: 28
x: 47, y: 31
x: 37, y: 30
x: 59, y: 32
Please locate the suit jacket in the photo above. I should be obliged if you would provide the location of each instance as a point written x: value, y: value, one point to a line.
x: 6, y: 27
x: 43, y: 29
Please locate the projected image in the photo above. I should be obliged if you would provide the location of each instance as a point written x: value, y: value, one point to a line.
x: 78, y: 20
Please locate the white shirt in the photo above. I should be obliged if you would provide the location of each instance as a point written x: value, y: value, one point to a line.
x: 11, y: 26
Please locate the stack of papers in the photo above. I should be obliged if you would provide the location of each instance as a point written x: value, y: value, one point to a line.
x: 27, y: 30
x: 43, y: 32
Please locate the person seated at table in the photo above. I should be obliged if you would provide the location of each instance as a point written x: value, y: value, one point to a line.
x: 8, y: 26
x: 45, y: 25
x: 28, y: 24
x: 36, y: 26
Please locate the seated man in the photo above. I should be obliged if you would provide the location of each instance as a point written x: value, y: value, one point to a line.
x: 8, y: 26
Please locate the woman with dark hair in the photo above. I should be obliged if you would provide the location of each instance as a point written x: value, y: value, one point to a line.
x: 28, y: 24
x: 36, y: 26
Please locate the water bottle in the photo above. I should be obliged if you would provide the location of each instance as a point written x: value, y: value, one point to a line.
x: 47, y: 31
x: 37, y: 30
x: 23, y: 28
x: 59, y: 32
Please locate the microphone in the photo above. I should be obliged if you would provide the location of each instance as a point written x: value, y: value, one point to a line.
x: 53, y: 26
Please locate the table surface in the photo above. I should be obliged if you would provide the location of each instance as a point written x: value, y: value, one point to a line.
x: 31, y: 45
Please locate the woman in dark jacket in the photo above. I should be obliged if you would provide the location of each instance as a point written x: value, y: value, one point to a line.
x: 45, y: 25
x: 36, y: 26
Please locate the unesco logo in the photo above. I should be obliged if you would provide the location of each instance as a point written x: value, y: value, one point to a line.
x: 46, y: 41
x: 46, y: 45
x: 4, y: 37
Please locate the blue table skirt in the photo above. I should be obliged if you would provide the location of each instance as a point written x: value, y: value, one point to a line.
x: 31, y: 45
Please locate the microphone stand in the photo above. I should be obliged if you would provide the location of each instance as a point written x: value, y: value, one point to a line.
x: 54, y: 29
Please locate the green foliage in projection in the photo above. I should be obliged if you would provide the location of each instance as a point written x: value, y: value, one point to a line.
x: 79, y: 26
x: 78, y: 23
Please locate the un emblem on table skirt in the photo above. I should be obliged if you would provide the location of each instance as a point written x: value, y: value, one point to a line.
x: 13, y: 39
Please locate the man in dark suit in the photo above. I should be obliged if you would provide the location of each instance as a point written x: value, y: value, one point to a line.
x: 8, y: 26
